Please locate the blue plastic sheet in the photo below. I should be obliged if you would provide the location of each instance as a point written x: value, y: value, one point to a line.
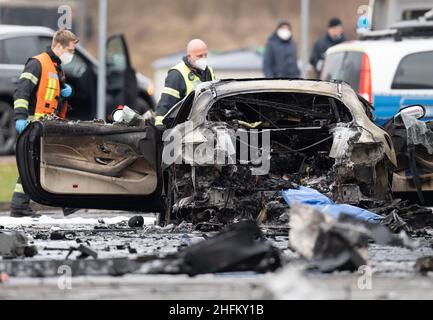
x: 324, y: 204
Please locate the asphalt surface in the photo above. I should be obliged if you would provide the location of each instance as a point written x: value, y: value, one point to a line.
x: 391, y: 268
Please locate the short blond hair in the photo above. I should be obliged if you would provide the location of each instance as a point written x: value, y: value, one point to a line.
x: 64, y: 37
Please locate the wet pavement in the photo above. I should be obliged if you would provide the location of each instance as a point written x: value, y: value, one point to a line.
x: 390, y: 273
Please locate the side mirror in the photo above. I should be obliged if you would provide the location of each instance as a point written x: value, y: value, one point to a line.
x: 414, y: 110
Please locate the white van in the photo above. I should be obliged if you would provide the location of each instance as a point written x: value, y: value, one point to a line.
x: 389, y: 68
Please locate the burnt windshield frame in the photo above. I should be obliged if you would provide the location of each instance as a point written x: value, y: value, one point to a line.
x: 185, y: 109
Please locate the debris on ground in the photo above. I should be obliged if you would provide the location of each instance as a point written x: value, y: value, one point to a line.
x: 326, y: 243
x: 85, y: 252
x: 57, y: 234
x: 132, y: 250
x: 424, y: 265
x: 15, y: 244
x: 332, y: 244
x: 402, y: 215
x: 89, y: 267
x: 136, y: 222
x: 241, y: 247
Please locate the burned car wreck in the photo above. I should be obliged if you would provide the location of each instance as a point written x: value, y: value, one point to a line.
x: 227, y: 151
x: 413, y: 141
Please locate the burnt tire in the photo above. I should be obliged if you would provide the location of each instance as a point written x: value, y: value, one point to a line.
x: 8, y: 133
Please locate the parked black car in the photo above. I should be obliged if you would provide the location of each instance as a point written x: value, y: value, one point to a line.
x: 124, y: 85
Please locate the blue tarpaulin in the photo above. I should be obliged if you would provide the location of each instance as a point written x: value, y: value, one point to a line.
x: 324, y: 204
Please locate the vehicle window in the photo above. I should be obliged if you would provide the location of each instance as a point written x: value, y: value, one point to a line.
x: 332, y: 66
x: 76, y: 67
x: 345, y: 66
x: 412, y: 14
x: 415, y: 71
x: 18, y: 50
x: 44, y: 43
x: 116, y: 57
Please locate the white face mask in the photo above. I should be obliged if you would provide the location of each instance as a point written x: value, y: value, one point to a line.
x: 338, y: 37
x: 66, y: 57
x: 284, y: 34
x: 201, y: 64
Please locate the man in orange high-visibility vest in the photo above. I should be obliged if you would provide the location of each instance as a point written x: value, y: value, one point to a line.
x: 42, y: 88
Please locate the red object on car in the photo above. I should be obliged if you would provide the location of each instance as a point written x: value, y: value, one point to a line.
x: 365, y: 88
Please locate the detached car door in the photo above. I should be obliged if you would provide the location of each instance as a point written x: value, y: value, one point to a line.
x: 121, y: 78
x: 91, y: 165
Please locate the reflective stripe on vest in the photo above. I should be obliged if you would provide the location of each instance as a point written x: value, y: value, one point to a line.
x: 48, y: 93
x: 190, y: 78
x: 38, y: 116
x: 19, y: 188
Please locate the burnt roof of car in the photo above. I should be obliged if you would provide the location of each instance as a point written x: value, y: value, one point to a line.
x: 219, y: 84
x: 227, y: 80
x: 271, y: 79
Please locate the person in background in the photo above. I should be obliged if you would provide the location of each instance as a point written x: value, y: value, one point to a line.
x: 184, y: 77
x: 42, y: 91
x: 333, y: 36
x: 280, y: 59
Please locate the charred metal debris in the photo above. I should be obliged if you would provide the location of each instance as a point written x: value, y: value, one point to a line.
x: 239, y: 247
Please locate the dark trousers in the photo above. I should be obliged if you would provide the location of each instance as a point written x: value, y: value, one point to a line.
x: 20, y: 200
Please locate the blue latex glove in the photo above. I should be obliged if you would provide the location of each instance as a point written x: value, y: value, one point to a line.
x: 66, y: 91
x: 20, y: 125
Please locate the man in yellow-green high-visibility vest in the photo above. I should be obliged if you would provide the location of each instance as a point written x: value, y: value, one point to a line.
x: 184, y: 77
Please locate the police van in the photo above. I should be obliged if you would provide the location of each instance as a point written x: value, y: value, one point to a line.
x: 389, y: 68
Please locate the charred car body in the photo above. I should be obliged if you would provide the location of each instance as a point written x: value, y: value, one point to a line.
x: 413, y: 141
x: 227, y: 151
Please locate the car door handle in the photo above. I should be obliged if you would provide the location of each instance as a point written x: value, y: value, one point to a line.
x: 103, y: 161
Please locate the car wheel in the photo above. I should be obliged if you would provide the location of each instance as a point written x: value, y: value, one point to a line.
x: 8, y: 133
